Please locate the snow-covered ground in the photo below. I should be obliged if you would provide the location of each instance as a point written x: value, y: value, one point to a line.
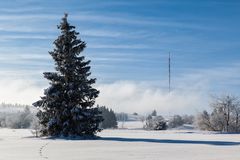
x: 122, y: 145
x: 130, y: 125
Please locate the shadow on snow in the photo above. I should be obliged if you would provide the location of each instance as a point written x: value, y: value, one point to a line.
x: 170, y: 141
x: 147, y: 140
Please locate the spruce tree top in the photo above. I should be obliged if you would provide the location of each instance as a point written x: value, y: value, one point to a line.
x: 73, y: 71
x: 66, y: 107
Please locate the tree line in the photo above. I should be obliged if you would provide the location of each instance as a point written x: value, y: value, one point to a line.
x: 224, y: 116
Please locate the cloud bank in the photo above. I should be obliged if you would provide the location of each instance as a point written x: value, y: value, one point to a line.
x: 190, y: 93
x: 143, y: 98
x: 122, y: 96
x: 21, y: 91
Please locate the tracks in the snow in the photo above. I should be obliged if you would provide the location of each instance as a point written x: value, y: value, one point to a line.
x: 41, y: 151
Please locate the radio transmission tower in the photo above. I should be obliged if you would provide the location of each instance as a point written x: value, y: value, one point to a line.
x: 169, y: 72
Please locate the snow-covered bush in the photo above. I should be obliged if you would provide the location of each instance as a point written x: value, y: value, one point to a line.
x: 155, y: 123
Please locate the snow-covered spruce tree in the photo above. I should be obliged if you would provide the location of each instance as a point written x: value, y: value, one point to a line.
x: 66, y: 109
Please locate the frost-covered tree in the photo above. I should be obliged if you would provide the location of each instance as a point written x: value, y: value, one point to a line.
x: 188, y: 119
x: 35, y: 127
x: 175, y: 121
x: 225, y: 116
x: 14, y: 117
x: 67, y: 107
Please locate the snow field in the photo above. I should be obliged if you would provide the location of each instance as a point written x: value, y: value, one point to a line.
x: 122, y: 145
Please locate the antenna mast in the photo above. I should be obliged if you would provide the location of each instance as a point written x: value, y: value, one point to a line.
x: 169, y: 72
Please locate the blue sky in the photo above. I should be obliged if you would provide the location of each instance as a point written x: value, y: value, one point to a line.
x: 129, y: 41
